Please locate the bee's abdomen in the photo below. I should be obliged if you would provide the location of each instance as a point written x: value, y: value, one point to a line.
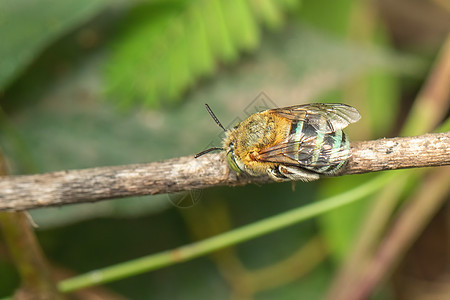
x: 315, y: 150
x: 333, y: 153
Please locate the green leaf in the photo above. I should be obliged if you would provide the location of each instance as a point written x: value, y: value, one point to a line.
x: 28, y: 26
x: 165, y: 47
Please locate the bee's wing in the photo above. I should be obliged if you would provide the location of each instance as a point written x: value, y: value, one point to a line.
x: 324, y: 117
x: 301, y: 153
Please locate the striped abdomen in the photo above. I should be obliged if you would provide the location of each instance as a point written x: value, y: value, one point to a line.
x: 315, y: 149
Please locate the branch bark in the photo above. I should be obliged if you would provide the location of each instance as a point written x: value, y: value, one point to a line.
x: 186, y: 173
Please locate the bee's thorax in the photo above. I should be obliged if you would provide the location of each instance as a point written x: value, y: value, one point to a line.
x: 259, y: 131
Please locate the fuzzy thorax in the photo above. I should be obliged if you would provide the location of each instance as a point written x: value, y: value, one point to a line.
x: 248, y: 138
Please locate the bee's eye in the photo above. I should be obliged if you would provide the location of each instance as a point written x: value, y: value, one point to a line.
x: 232, y: 162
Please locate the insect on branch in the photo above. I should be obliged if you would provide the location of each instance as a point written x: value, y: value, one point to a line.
x: 186, y: 173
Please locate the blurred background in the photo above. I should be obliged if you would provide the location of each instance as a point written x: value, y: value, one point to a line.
x: 96, y: 83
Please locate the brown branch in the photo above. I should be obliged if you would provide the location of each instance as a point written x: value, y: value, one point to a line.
x: 186, y: 173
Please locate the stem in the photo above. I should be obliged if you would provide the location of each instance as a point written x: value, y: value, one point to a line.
x: 187, y: 173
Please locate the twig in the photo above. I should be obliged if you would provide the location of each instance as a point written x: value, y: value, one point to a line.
x: 186, y: 173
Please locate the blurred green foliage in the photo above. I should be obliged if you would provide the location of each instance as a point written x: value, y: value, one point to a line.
x: 157, y: 54
x: 28, y: 27
x: 165, y: 46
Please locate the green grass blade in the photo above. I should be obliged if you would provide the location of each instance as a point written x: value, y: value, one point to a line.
x: 245, y: 233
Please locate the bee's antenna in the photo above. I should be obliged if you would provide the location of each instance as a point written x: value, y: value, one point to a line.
x: 215, y: 118
x: 207, y: 151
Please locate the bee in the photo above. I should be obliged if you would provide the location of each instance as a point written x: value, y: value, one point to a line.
x: 299, y: 142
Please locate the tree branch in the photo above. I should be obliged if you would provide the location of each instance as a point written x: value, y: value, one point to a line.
x: 186, y: 173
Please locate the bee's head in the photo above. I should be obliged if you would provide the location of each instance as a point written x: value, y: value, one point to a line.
x: 232, y: 158
x: 228, y: 145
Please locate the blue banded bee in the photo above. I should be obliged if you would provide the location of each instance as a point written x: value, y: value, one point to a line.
x: 298, y: 142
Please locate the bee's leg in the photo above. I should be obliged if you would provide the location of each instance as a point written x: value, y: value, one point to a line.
x: 294, y: 173
x: 293, y: 185
x: 275, y: 174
